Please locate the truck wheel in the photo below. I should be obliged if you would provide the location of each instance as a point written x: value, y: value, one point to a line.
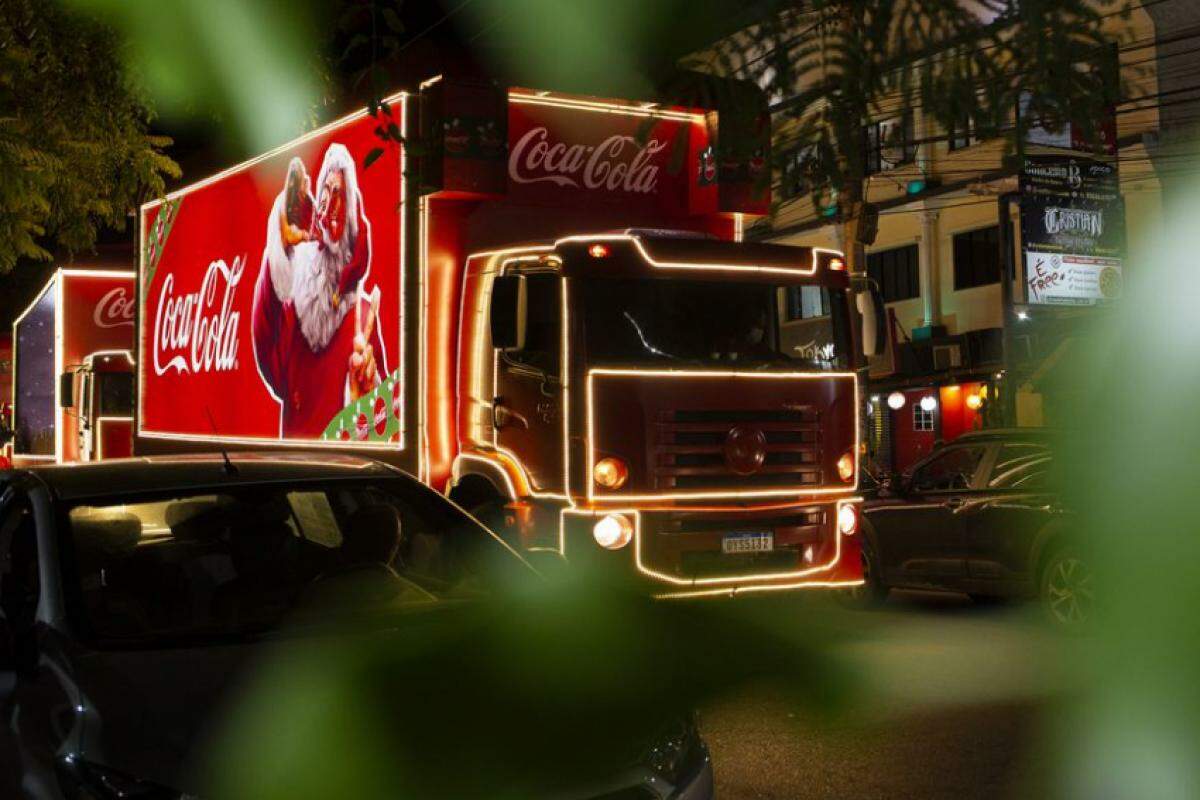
x: 1067, y: 589
x: 872, y: 593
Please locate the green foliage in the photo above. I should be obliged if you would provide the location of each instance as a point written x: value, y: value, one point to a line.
x: 76, y: 154
x: 832, y: 67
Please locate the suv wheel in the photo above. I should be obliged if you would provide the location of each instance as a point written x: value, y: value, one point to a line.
x: 1067, y: 589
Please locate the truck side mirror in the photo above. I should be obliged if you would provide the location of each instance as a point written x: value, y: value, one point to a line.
x: 66, y: 390
x: 874, y: 325
x: 508, y: 312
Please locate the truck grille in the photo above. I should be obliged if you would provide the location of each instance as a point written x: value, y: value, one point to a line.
x: 689, y: 449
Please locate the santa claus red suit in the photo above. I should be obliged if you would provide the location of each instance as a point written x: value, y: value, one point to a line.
x: 315, y: 339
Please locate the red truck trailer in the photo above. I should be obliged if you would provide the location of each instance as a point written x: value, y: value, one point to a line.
x: 548, y: 314
x: 72, y: 389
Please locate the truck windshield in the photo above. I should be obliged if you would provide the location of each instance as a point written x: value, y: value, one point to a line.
x: 214, y: 565
x: 630, y: 322
x: 116, y: 394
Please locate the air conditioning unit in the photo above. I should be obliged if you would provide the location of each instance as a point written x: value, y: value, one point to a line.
x: 947, y: 356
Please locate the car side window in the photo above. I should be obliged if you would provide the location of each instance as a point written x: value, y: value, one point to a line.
x: 20, y: 583
x: 950, y: 470
x: 1023, y: 466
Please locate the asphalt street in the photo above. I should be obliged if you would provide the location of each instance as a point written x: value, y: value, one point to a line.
x: 951, y: 702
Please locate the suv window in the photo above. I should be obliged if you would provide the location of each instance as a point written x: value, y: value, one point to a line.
x: 952, y: 469
x: 1021, y: 466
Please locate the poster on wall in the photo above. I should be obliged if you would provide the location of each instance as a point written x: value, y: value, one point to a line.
x: 1072, y: 231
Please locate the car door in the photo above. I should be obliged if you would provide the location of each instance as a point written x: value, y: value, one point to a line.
x: 921, y: 540
x: 1000, y: 530
x: 527, y: 405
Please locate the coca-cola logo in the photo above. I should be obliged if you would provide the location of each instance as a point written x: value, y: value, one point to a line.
x: 617, y: 164
x: 197, y: 332
x: 115, y: 309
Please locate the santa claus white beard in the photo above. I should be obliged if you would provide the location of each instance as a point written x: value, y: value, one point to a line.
x: 315, y: 278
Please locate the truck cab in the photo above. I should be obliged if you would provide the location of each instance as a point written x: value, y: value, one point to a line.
x: 99, y: 393
x: 684, y: 404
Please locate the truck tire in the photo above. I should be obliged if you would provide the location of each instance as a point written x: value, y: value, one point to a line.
x: 873, y: 592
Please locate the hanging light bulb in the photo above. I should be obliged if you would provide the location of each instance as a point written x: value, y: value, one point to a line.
x: 896, y: 401
x: 928, y: 403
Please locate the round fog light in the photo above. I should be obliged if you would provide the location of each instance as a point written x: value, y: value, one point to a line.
x: 610, y: 473
x: 613, y: 531
x: 847, y: 519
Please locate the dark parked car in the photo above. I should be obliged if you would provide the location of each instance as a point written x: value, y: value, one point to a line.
x: 136, y: 593
x: 981, y: 516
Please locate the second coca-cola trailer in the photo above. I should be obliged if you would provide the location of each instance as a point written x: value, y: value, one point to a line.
x: 73, y: 369
x: 549, y: 315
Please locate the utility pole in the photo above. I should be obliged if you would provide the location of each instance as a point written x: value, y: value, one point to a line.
x: 1008, y: 392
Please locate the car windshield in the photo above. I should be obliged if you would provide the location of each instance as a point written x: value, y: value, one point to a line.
x: 214, y: 565
x: 630, y: 322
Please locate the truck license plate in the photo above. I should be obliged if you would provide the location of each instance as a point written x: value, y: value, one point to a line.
x: 752, y: 542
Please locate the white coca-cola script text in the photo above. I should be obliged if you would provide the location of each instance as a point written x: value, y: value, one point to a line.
x: 115, y: 309
x: 198, y: 332
x: 617, y: 164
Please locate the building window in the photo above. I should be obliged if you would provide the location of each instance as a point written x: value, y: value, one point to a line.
x: 890, y: 143
x: 793, y: 173
x: 977, y: 257
x: 896, y: 272
x: 807, y: 302
x: 922, y: 419
x: 963, y: 134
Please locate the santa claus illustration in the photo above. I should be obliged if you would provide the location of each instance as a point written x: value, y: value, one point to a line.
x: 315, y: 339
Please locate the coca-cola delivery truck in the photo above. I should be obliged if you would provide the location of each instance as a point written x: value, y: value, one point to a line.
x: 73, y: 369
x: 548, y: 315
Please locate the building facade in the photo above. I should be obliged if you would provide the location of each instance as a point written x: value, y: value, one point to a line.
x: 973, y: 339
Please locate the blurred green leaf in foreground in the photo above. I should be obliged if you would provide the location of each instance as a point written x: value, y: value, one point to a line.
x: 1134, y: 462
x: 544, y: 689
x: 253, y: 65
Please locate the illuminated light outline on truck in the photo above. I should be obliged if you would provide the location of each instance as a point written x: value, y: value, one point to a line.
x: 793, y: 491
x: 576, y: 104
x: 128, y: 355
x: 516, y: 468
x: 277, y: 441
x: 672, y: 579
x: 733, y: 591
x: 702, y: 265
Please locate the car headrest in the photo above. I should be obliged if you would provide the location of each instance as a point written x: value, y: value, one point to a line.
x: 372, y: 535
x: 109, y: 536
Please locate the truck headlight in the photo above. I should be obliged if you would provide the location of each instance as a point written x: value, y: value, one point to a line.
x: 613, y: 531
x: 847, y: 518
x: 845, y: 467
x: 610, y: 473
